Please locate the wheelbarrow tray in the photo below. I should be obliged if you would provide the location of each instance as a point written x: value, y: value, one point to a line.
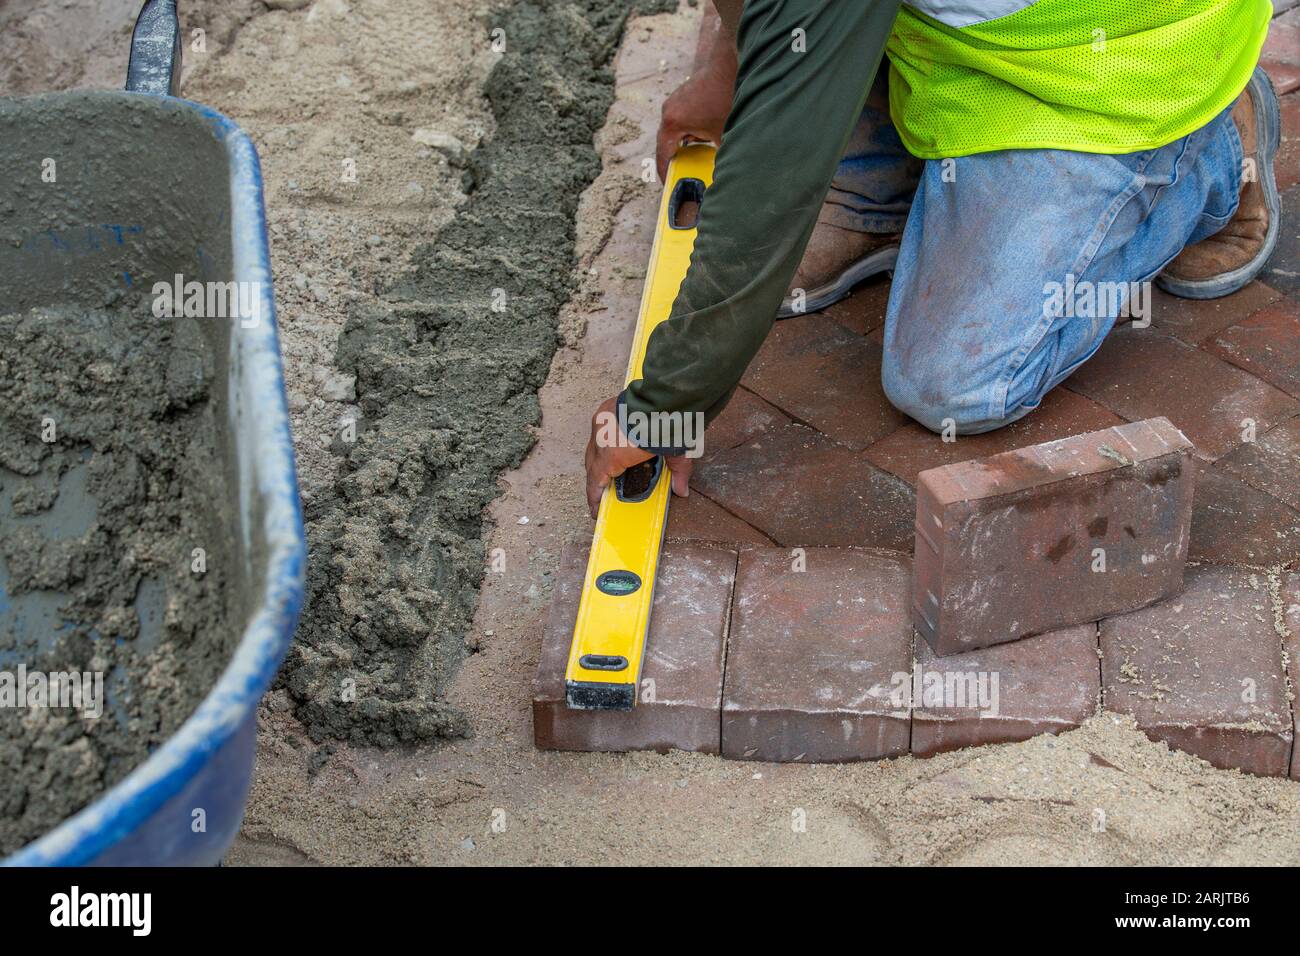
x: 150, y: 187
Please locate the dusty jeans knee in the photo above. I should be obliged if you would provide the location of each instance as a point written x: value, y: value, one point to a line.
x: 1014, y: 266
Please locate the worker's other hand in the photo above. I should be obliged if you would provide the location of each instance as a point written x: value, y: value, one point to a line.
x: 606, y: 460
x: 695, y: 112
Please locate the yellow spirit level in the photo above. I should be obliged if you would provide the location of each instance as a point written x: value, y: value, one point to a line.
x: 614, y: 612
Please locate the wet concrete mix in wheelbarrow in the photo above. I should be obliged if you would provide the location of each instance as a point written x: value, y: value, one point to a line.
x: 108, y: 475
x: 448, y: 363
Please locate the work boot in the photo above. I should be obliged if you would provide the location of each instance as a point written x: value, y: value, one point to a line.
x: 1234, y: 255
x: 835, y: 261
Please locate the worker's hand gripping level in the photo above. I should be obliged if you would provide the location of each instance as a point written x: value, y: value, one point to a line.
x: 614, y: 613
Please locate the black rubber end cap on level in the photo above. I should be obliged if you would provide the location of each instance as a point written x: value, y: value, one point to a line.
x: 585, y: 695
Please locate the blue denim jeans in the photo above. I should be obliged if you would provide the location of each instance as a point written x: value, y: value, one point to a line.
x: 973, y: 337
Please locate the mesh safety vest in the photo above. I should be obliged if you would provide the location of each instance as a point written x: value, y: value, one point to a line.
x: 1100, y: 76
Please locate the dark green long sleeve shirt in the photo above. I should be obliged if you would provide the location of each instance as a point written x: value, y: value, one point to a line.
x: 789, y: 125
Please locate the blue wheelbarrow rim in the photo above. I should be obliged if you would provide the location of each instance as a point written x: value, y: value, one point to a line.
x: 123, y: 808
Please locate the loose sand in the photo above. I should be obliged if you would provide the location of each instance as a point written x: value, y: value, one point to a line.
x: 325, y: 82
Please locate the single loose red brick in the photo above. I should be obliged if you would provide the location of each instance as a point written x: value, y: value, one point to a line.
x: 1052, y: 535
x: 681, y: 680
x: 1233, y: 523
x: 1203, y: 672
x: 1041, y: 685
x: 800, y: 488
x: 818, y: 660
x: 1271, y: 462
x: 913, y: 448
x: 1141, y: 373
x: 822, y: 374
x: 1267, y: 344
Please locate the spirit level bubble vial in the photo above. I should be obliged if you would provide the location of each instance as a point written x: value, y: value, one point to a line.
x: 614, y: 612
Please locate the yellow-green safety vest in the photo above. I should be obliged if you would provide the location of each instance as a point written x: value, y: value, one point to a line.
x: 1100, y: 76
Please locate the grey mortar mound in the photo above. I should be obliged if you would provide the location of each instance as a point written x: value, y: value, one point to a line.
x: 448, y: 389
x: 96, y: 535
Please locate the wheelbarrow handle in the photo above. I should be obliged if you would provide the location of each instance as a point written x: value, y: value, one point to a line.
x: 155, y: 65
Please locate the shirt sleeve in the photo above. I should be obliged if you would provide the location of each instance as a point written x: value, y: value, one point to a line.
x: 805, y: 69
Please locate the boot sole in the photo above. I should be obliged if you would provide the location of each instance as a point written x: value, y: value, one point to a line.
x: 1268, y: 133
x: 881, y: 260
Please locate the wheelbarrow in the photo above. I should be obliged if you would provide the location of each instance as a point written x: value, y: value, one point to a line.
x: 163, y: 186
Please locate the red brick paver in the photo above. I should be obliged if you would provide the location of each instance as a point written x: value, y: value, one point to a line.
x: 1283, y: 269
x: 1280, y: 57
x: 818, y: 659
x: 1045, y: 684
x: 1267, y: 344
x: 1203, y: 672
x: 1194, y: 320
x: 681, y: 681
x: 745, y: 417
x: 864, y: 311
x: 1233, y: 523
x: 800, y: 488
x: 1271, y: 463
x: 913, y: 448
x: 1286, y: 165
x: 1141, y: 373
x: 1052, y: 535
x: 1289, y: 593
x: 697, y: 518
x: 827, y: 377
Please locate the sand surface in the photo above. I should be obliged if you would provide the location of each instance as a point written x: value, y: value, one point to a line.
x: 329, y: 80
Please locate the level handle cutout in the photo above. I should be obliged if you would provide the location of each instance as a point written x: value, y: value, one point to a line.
x: 603, y: 662
x: 684, y: 203
x: 639, y: 481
